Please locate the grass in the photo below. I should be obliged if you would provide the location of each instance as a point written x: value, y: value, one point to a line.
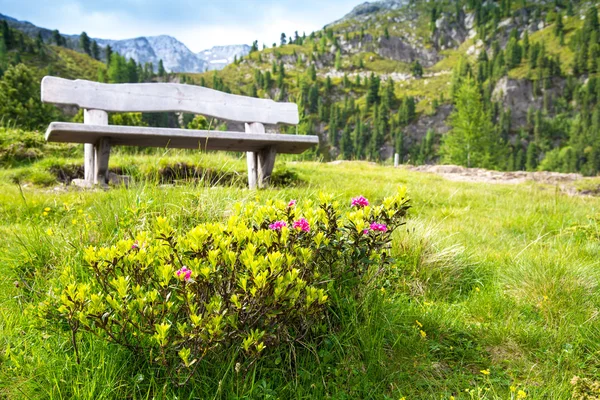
x: 498, y: 278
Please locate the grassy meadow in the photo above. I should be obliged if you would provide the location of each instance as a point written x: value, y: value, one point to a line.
x: 493, y: 295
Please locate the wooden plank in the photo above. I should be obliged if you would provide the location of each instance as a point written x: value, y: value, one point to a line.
x: 161, y: 97
x: 68, y: 132
x: 92, y: 117
x: 251, y: 156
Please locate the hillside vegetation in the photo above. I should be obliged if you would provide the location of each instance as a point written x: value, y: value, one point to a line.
x: 385, y: 79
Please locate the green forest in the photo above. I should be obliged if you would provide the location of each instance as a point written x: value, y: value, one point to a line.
x: 351, y: 99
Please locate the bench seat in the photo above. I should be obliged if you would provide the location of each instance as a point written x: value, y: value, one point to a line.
x: 67, y: 132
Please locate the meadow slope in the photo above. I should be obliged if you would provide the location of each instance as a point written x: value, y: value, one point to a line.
x: 494, y: 291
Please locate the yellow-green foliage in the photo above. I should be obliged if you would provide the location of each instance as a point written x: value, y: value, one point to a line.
x: 71, y: 64
x: 260, y: 279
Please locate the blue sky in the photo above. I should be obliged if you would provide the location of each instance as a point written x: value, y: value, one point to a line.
x: 198, y: 24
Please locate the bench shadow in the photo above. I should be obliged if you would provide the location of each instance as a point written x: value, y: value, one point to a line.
x: 183, y: 173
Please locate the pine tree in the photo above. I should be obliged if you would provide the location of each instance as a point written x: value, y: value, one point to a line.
x: 313, y: 99
x: 161, y: 69
x: 417, y: 69
x: 57, y: 38
x: 333, y: 126
x: 95, y: 50
x: 283, y: 39
x: 84, y: 43
x: 373, y: 90
x: 532, y: 157
x: 470, y: 142
x: 346, y: 143
x: 559, y: 25
x: 108, y: 53
x: 7, y: 34
x: 338, y: 60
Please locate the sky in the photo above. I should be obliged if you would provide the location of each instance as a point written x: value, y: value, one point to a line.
x: 199, y: 24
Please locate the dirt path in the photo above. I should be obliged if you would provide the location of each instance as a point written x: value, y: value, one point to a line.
x: 462, y: 174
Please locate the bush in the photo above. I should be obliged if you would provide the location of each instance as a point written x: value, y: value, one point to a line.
x: 265, y: 277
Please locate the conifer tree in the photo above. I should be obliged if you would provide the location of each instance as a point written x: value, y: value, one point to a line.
x: 338, y: 60
x: 373, y: 90
x: 84, y: 43
x: 161, y: 69
x: 471, y: 141
x: 57, y: 38
x: 95, y: 50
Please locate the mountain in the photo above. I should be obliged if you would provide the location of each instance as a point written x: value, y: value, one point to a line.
x: 175, y: 55
x: 369, y: 8
x: 383, y: 79
x: 220, y: 56
x: 147, y: 49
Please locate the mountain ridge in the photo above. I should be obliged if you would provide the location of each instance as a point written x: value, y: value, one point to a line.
x: 176, y: 56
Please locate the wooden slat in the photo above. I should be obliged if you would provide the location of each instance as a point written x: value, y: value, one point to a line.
x: 68, y: 132
x: 162, y: 97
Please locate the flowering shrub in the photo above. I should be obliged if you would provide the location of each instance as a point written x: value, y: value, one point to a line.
x: 260, y: 279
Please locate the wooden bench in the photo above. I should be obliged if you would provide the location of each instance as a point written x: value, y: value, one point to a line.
x: 97, y: 99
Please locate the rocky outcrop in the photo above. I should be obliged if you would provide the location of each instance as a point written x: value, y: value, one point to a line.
x: 401, y: 50
x: 416, y: 131
x: 218, y: 57
x: 518, y: 95
x: 450, y: 32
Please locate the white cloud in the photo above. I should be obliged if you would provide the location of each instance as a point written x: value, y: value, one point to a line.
x: 265, y: 24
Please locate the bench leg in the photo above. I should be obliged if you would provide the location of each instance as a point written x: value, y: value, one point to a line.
x: 266, y: 162
x: 252, y: 169
x: 102, y: 154
x: 89, y: 163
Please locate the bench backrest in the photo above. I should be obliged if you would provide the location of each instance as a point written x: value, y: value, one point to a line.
x: 163, y: 97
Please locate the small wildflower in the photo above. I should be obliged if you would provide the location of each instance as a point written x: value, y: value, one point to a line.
x: 521, y: 394
x: 452, y: 398
x: 302, y: 224
x: 477, y: 289
x: 185, y: 272
x: 135, y: 246
x: 420, y: 325
x: 513, y: 389
x: 292, y: 203
x: 378, y: 227
x: 74, y: 221
x: 49, y: 232
x: 44, y: 213
x: 47, y: 209
x: 486, y: 372
x: 277, y: 225
x: 366, y: 232
x: 423, y: 334
x: 80, y: 211
x: 359, y: 201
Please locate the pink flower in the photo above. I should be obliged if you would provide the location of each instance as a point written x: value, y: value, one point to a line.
x: 277, y: 225
x: 302, y: 224
x: 378, y: 227
x: 365, y: 231
x: 186, y: 272
x: 292, y: 203
x: 360, y: 201
x: 135, y: 246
